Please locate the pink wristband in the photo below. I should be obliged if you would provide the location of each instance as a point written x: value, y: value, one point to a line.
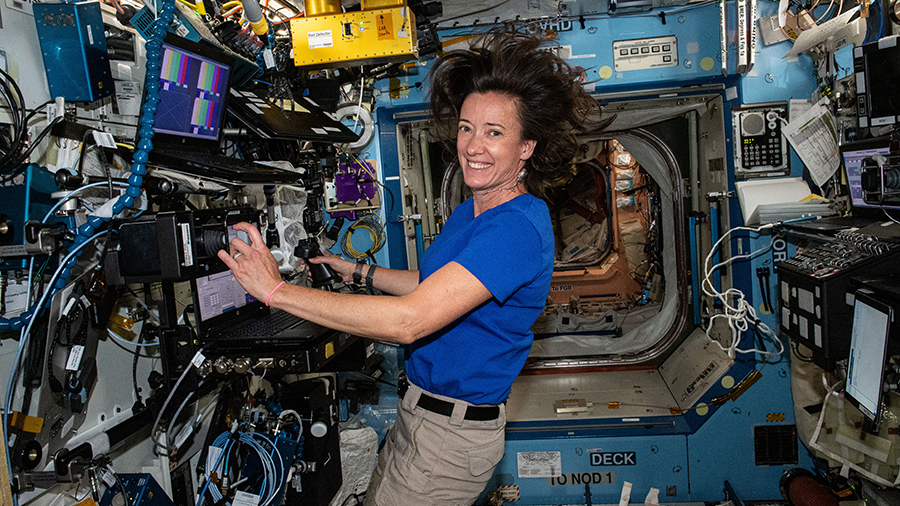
x: 273, y: 292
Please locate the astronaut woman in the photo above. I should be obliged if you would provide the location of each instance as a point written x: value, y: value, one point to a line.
x: 465, y: 315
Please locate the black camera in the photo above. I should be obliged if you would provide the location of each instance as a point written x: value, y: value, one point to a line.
x: 174, y: 246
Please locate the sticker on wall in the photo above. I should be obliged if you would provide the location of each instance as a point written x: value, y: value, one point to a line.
x: 539, y: 464
x: 613, y: 458
x: 385, y: 25
x: 594, y: 478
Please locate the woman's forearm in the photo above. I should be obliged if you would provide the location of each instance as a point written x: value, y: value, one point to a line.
x: 392, y: 281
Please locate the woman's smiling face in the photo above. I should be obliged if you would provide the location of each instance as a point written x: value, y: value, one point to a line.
x: 489, y: 142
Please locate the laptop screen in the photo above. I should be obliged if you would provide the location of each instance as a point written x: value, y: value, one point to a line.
x: 192, y: 92
x: 220, y: 299
x: 868, y: 349
x: 854, y: 153
x: 218, y: 294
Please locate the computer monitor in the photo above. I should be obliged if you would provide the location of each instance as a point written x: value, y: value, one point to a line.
x: 854, y: 153
x: 868, y: 352
x: 877, y: 71
x: 193, y: 89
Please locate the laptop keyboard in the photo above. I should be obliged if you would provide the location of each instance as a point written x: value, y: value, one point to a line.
x: 270, y: 326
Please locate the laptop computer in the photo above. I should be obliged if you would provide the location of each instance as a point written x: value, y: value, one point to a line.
x: 865, y: 214
x: 227, y: 317
x: 854, y: 153
x: 190, y: 117
x: 300, y: 120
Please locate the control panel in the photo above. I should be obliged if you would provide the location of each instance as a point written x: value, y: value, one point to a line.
x: 815, y: 285
x: 293, y: 357
x: 850, y: 250
x: 653, y: 52
x: 759, y: 145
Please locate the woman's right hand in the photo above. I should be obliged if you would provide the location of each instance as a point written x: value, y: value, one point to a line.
x: 344, y: 268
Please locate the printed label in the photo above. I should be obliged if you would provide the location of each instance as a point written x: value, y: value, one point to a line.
x: 539, y: 464
x: 242, y: 498
x: 595, y: 478
x: 613, y: 458
x: 75, y: 355
x: 104, y: 139
x: 319, y: 39
x: 385, y: 26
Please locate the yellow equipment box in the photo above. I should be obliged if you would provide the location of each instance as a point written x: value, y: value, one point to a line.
x: 355, y: 38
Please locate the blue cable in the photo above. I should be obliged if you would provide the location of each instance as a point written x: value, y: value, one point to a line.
x: 86, y: 232
x: 215, y: 466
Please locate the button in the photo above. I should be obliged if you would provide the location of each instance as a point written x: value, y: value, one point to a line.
x: 645, y: 50
x: 623, y: 52
x: 655, y: 49
x: 667, y: 47
x: 634, y: 50
x: 667, y: 58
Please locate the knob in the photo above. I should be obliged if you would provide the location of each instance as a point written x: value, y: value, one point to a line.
x: 242, y: 365
x: 223, y: 365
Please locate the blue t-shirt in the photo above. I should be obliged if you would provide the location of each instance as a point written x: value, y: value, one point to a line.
x: 509, y: 248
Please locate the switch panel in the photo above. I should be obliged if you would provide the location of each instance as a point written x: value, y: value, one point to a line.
x: 638, y: 54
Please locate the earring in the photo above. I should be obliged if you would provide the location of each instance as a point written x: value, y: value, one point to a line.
x: 521, y: 176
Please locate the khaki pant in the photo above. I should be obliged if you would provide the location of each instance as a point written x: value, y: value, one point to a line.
x: 435, y: 460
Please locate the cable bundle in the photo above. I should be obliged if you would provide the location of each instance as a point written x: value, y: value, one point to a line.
x: 274, y: 471
x: 11, y: 161
x: 87, y: 232
x: 739, y: 314
x: 375, y: 228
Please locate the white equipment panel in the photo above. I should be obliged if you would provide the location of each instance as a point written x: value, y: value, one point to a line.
x: 649, y: 53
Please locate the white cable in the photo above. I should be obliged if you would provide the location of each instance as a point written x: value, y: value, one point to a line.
x: 741, y: 314
x: 362, y: 84
x: 368, y: 125
x: 166, y: 404
x: 74, y: 193
x: 296, y: 416
x: 178, y: 412
x: 122, y: 340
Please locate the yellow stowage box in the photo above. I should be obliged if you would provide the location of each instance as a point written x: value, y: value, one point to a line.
x: 355, y: 38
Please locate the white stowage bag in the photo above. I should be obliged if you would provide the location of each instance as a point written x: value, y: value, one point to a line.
x: 838, y: 438
x: 359, y: 455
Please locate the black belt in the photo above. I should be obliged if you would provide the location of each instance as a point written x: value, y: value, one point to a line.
x: 442, y: 407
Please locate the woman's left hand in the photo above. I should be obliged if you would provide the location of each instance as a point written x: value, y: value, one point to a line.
x: 253, y: 265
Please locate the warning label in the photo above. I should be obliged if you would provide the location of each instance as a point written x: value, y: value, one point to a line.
x: 595, y: 478
x: 385, y: 25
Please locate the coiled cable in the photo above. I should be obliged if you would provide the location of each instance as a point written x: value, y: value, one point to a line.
x: 375, y: 227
